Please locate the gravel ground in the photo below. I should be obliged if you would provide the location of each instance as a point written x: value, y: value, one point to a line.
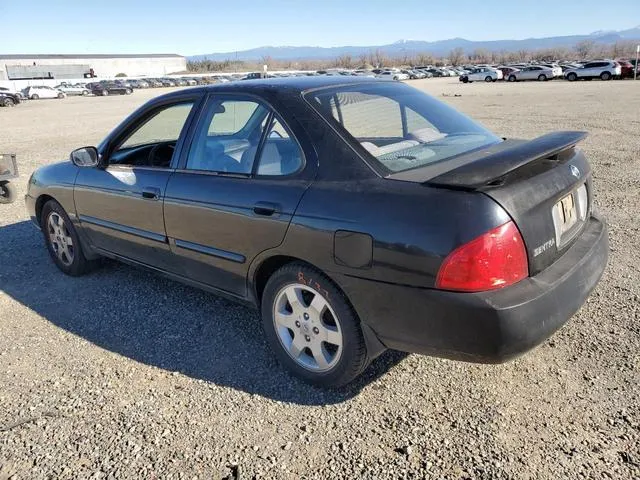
x: 121, y: 374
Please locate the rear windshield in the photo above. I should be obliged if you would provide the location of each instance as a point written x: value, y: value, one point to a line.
x: 401, y: 127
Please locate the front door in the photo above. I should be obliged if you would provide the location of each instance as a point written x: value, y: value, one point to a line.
x: 121, y: 205
x: 240, y: 184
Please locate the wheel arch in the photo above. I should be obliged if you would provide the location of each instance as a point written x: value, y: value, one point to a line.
x: 266, y: 267
x: 40, y: 202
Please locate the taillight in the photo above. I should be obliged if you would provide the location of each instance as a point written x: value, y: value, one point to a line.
x: 494, y: 260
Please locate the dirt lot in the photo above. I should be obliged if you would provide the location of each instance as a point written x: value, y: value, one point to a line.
x: 121, y: 374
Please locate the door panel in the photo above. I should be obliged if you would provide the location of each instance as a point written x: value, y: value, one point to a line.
x: 217, y: 225
x: 121, y: 210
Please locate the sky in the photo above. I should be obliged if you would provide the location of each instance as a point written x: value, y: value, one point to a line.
x: 190, y: 27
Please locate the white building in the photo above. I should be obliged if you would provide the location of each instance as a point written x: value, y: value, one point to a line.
x: 41, y: 67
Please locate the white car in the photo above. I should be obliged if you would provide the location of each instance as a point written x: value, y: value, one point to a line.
x: 603, y: 69
x: 73, y: 89
x: 34, y: 93
x: 393, y: 75
x: 484, y: 74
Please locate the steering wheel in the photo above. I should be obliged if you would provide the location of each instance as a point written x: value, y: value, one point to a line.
x: 160, y: 155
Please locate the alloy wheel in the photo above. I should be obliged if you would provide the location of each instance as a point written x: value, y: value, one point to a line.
x: 307, y: 327
x: 60, y: 239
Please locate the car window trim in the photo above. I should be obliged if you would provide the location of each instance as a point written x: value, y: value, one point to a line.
x: 181, y: 166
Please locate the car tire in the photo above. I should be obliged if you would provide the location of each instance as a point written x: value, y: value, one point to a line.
x: 8, y: 102
x: 296, y: 334
x: 85, y: 93
x: 128, y: 91
x: 512, y: 78
x: 62, y: 240
x: 35, y: 96
x: 8, y: 192
x: 572, y: 77
x: 542, y: 77
x: 465, y: 80
x: 604, y: 76
x: 61, y: 95
x: 104, y: 93
x: 488, y: 79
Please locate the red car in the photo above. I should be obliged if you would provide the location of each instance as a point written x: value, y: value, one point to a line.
x: 626, y: 69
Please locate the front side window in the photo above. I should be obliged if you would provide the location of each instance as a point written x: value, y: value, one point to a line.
x: 243, y: 136
x: 401, y: 127
x: 152, y: 142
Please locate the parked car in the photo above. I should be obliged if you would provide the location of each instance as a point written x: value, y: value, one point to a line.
x: 533, y: 72
x: 153, y: 82
x: 506, y: 71
x: 137, y: 83
x: 392, y: 75
x: 555, y: 69
x: 167, y: 82
x: 439, y: 238
x: 626, y: 69
x: 42, y: 91
x: 8, y: 98
x: 105, y: 88
x: 72, y: 89
x: 485, y: 74
x: 603, y: 69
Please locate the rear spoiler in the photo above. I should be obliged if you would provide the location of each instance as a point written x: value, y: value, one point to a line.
x: 492, y: 167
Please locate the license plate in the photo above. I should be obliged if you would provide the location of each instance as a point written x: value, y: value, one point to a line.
x: 566, y: 213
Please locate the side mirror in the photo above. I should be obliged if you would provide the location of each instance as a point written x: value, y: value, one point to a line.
x: 85, y: 157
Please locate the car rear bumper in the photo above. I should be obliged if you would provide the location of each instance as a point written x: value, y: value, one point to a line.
x: 489, y: 327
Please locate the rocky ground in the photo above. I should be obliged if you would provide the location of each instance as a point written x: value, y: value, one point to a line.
x: 121, y: 374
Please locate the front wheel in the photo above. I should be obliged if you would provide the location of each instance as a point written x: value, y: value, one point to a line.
x: 605, y: 76
x: 512, y: 78
x: 488, y: 79
x: 311, y: 327
x: 8, y: 102
x: 8, y: 192
x: 85, y: 93
x: 128, y: 91
x: 572, y: 77
x: 35, y: 97
x: 62, y: 240
x: 61, y: 95
x: 542, y: 78
x: 105, y: 93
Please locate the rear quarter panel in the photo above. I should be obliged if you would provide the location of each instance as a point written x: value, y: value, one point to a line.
x: 413, y: 227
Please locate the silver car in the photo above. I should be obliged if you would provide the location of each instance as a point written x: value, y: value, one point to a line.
x: 532, y: 72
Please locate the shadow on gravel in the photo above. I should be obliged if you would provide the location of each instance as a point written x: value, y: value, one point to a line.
x: 159, y: 322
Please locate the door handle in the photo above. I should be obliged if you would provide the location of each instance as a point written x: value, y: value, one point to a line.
x: 265, y: 208
x: 151, y: 193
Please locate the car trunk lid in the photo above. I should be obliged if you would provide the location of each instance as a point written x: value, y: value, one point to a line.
x: 543, y: 184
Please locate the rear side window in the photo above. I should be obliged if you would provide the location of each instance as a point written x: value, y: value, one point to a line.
x: 243, y: 136
x: 399, y: 126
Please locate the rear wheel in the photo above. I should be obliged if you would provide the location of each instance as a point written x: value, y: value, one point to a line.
x: 35, y: 96
x: 311, y: 327
x: 512, y: 78
x: 542, y: 77
x: 8, y: 102
x: 85, y: 93
x: 488, y: 79
x: 128, y: 91
x: 61, y: 95
x: 465, y: 79
x: 605, y: 76
x: 8, y: 192
x: 62, y: 240
x: 572, y: 77
x: 104, y: 93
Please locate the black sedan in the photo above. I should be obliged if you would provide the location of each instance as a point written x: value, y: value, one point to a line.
x: 8, y: 99
x: 109, y: 88
x: 357, y: 215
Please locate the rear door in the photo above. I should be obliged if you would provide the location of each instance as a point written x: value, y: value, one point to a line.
x: 236, y: 190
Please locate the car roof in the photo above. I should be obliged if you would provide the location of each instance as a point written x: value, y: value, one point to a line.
x: 291, y: 85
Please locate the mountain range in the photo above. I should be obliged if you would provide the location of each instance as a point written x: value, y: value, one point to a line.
x: 410, y: 47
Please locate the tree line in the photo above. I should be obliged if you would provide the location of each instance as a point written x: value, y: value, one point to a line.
x: 584, y: 50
